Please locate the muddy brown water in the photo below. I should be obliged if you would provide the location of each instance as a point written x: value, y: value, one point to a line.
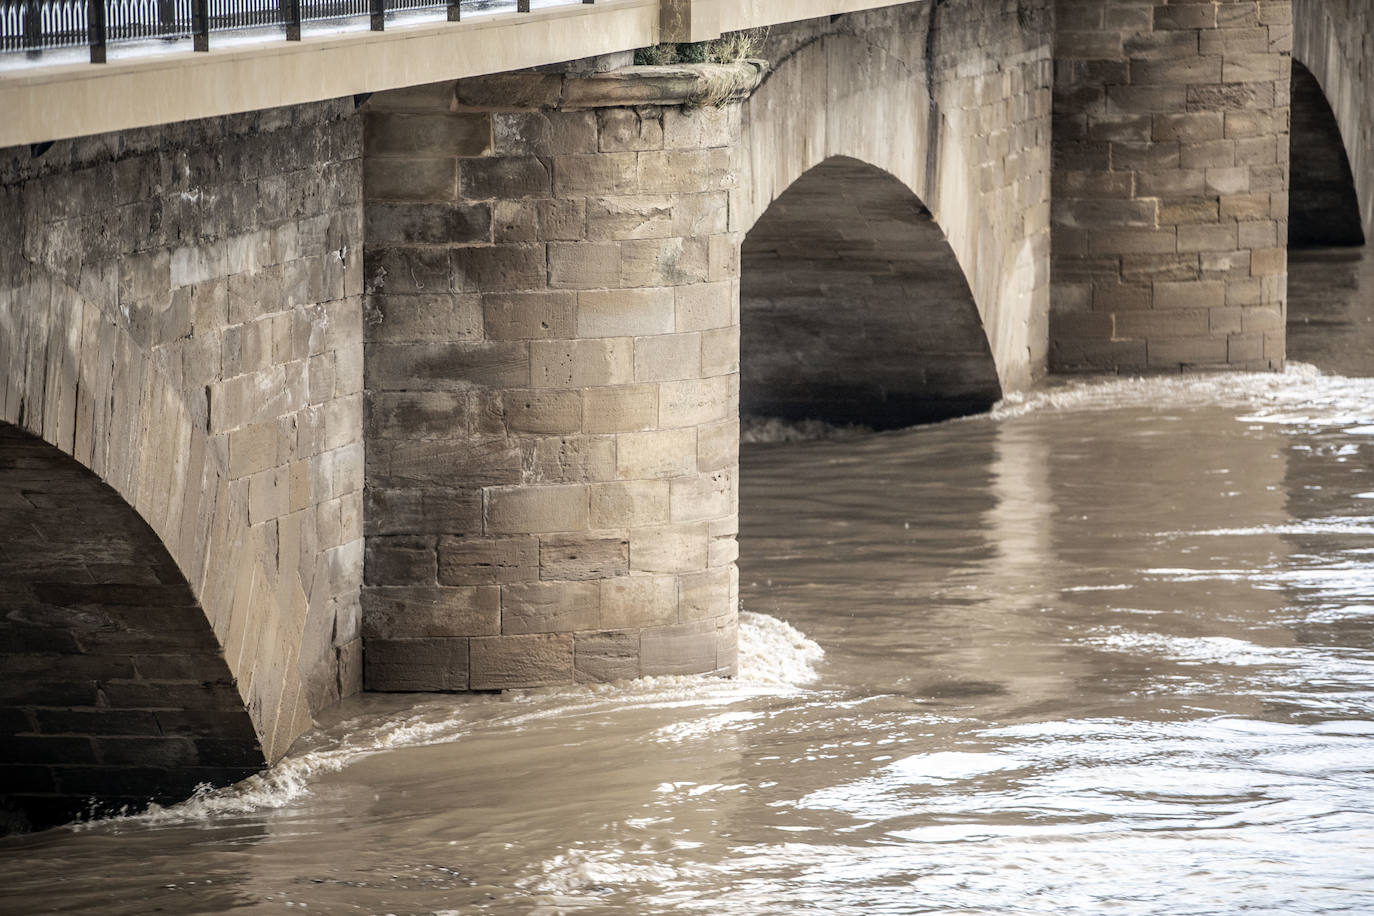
x: 1107, y: 650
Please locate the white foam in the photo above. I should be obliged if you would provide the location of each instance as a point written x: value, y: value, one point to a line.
x: 758, y: 430
x: 772, y: 654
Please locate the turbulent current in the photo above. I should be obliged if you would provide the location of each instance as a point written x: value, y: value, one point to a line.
x: 1109, y: 649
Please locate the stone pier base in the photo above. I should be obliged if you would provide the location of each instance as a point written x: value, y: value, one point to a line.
x: 552, y: 378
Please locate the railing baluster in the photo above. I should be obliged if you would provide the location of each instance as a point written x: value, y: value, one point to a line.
x: 455, y: 13
x: 95, y: 27
x: 378, y: 15
x: 291, y: 12
x: 200, y: 24
x: 33, y: 24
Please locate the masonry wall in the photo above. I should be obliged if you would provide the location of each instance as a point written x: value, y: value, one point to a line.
x: 1170, y: 185
x: 552, y: 382
x: 180, y: 312
x: 1335, y: 40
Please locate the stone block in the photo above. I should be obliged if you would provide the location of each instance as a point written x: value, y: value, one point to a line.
x: 670, y: 548
x: 705, y: 595
x: 543, y: 411
x: 549, y: 607
x: 504, y: 177
x: 701, y: 306
x: 410, y: 178
x: 444, y: 317
x: 1268, y: 262
x: 498, y: 269
x: 704, y: 496
x: 487, y: 560
x: 581, y: 363
x: 544, y: 133
x: 530, y: 315
x: 1186, y: 16
x: 1176, y: 322
x: 689, y: 648
x: 667, y: 356
x: 1262, y: 318
x: 412, y: 612
x: 574, y: 459
x: 1202, y: 294
x: 428, y: 664
x: 630, y: 217
x: 583, y: 557
x: 596, y: 174
x: 601, y: 658
x: 418, y: 414
x: 1204, y: 351
x: 521, y: 661
x: 694, y: 401
x: 269, y: 495
x: 663, y: 262
x: 629, y: 504
x: 1177, y: 72
x: 446, y: 463
x: 621, y: 408
x: 630, y: 129
x: 584, y: 265
x: 1189, y: 128
x: 403, y: 560
x: 253, y: 449
x: 536, y: 509
x: 656, y: 453
x: 428, y: 134
x: 1207, y: 238
x: 639, y: 601
x: 624, y: 312
x: 447, y: 366
x: 685, y: 170
x: 523, y: 89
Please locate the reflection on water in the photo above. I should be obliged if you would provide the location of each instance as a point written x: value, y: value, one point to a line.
x: 1110, y: 649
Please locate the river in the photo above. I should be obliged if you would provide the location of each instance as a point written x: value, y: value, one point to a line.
x: 1107, y: 650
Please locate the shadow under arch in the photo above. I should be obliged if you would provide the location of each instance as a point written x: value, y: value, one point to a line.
x: 1323, y: 206
x: 854, y: 309
x: 113, y: 689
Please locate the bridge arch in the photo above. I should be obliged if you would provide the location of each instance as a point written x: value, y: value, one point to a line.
x: 176, y: 348
x: 854, y: 309
x: 953, y: 105
x: 1323, y: 203
x: 115, y: 690
x: 1331, y: 42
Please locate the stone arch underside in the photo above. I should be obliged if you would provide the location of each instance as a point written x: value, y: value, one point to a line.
x: 1331, y: 41
x: 1323, y: 206
x: 952, y: 100
x: 853, y: 308
x: 113, y: 688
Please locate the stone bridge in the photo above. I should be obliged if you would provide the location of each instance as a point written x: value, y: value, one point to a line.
x: 304, y: 392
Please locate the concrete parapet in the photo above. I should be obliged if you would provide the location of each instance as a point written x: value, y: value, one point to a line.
x: 552, y: 378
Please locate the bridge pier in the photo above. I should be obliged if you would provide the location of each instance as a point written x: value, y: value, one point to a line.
x: 1170, y: 186
x: 552, y: 378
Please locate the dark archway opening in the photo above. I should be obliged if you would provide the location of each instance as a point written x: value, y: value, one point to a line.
x: 854, y: 309
x: 113, y: 690
x: 1323, y: 208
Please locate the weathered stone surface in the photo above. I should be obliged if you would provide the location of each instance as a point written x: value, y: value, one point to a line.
x: 208, y: 279
x: 521, y: 661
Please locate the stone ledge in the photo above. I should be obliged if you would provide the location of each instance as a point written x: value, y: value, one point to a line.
x: 627, y: 87
x: 680, y: 84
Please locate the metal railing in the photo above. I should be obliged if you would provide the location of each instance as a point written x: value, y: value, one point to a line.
x: 33, y: 26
